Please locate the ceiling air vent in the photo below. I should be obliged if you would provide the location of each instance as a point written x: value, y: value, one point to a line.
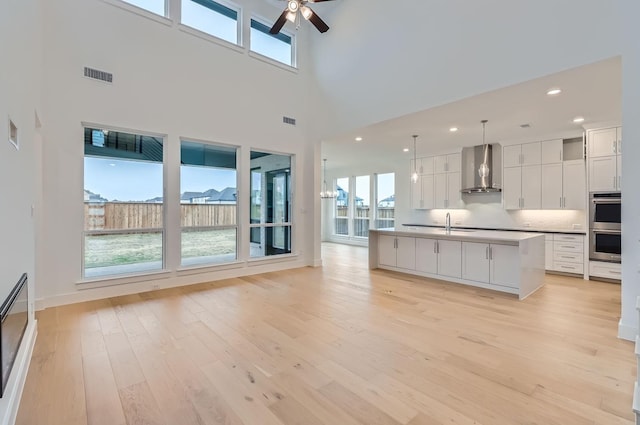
x: 98, y: 75
x: 525, y: 125
x: 289, y: 120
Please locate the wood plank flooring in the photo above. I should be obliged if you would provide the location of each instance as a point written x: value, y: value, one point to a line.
x: 337, y: 345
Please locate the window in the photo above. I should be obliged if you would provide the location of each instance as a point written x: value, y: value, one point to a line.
x: 362, y: 204
x: 212, y: 18
x: 386, y: 200
x: 156, y: 6
x: 208, y: 212
x: 342, y: 207
x: 123, y: 203
x: 271, y: 204
x: 278, y: 47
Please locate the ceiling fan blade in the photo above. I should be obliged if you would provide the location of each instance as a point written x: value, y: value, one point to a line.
x: 318, y: 23
x: 275, y: 29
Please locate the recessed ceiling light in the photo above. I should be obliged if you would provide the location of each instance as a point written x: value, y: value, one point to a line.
x: 405, y: 150
x: 453, y: 129
x: 554, y: 92
x: 578, y: 120
x: 358, y: 139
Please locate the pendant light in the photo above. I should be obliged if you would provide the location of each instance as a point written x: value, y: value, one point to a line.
x: 326, y: 194
x: 414, y: 175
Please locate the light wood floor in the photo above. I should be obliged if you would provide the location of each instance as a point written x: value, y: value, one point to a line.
x: 337, y: 345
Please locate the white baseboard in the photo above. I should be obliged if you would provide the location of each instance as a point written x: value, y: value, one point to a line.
x: 10, y: 402
x: 627, y: 332
x: 317, y: 262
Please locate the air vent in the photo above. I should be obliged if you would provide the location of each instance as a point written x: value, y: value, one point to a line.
x: 98, y: 75
x: 525, y: 125
x: 289, y: 120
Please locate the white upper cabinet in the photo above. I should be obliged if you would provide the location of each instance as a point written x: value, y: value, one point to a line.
x: 603, y: 142
x: 447, y: 163
x: 551, y: 151
x: 605, y: 165
x: 551, y: 186
x: 531, y: 153
x: 531, y: 187
x: 426, y: 166
x: 574, y: 185
x: 511, y: 156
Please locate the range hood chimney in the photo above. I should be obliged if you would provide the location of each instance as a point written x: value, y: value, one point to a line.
x: 480, y: 161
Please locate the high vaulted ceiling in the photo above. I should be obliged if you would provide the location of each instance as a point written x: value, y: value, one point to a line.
x: 592, y: 91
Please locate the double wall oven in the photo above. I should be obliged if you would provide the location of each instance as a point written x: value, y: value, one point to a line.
x: 605, y: 239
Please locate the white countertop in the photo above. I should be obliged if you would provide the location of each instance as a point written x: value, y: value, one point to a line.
x: 508, y: 237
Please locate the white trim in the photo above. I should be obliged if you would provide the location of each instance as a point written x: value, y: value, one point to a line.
x: 18, y: 376
x: 256, y: 261
x: 211, y: 38
x: 112, y: 280
x: 267, y: 59
x: 121, y: 4
x: 626, y: 332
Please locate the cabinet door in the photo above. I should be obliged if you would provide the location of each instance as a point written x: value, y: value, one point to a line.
x: 454, y: 197
x: 387, y: 250
x: 619, y: 172
x: 440, y: 190
x: 427, y: 191
x: 440, y: 164
x: 475, y: 261
x: 574, y: 185
x: 454, y: 163
x: 602, y: 174
x: 531, y: 187
x: 416, y: 194
x: 619, y: 137
x: 406, y: 253
x: 511, y: 156
x: 551, y: 151
x: 426, y: 255
x: 531, y: 153
x: 552, y: 186
x: 427, y: 165
x: 512, y: 188
x: 450, y: 258
x: 505, y: 265
x: 602, y: 142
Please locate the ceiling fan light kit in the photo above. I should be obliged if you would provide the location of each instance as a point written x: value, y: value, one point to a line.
x: 294, y: 10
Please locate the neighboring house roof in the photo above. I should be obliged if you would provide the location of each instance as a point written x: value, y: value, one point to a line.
x: 89, y: 196
x: 389, y: 200
x: 228, y: 194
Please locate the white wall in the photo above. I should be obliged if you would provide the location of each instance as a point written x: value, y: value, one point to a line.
x: 379, y: 61
x: 630, y: 170
x: 169, y: 82
x: 21, y: 65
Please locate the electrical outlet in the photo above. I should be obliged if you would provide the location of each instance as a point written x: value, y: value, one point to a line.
x: 526, y: 224
x: 155, y: 286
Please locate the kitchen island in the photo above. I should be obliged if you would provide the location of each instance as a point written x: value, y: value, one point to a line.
x: 505, y: 261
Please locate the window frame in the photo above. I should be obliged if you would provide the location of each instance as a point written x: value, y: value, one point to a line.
x: 182, y: 266
x: 146, y: 13
x: 263, y: 23
x: 164, y: 229
x: 224, y: 4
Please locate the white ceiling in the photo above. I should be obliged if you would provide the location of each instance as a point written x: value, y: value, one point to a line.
x: 593, y: 91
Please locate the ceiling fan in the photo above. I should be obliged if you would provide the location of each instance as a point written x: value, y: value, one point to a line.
x: 295, y: 9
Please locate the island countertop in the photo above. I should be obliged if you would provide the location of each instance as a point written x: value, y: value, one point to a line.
x: 467, y: 235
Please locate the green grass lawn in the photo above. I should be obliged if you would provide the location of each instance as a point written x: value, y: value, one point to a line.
x: 112, y: 250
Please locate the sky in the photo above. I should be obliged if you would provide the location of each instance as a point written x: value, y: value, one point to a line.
x: 139, y: 181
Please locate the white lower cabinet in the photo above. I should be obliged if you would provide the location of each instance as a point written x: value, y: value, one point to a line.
x: 397, y: 251
x: 564, y: 253
x: 606, y: 270
x: 491, y: 263
x: 450, y: 258
x: 440, y: 257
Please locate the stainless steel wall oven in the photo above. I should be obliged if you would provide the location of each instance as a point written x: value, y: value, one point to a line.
x: 605, y: 238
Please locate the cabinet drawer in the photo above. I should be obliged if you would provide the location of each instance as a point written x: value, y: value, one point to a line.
x: 568, y: 238
x: 568, y: 257
x: 606, y: 270
x: 559, y: 246
x: 568, y: 267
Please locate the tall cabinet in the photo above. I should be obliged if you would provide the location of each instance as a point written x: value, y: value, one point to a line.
x: 438, y: 184
x: 605, y: 164
x: 522, y: 185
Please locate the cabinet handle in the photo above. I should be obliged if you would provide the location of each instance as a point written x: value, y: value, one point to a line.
x: 486, y: 253
x: 435, y: 247
x: 564, y: 202
x: 615, y: 185
x: 560, y: 155
x: 521, y: 159
x: 619, y: 146
x: 561, y: 202
x: 613, y: 147
x: 619, y: 183
x: 568, y: 247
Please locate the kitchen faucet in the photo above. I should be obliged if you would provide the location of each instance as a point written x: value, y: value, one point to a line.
x: 447, y: 222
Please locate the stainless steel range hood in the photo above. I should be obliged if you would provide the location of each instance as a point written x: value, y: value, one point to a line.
x: 479, y: 167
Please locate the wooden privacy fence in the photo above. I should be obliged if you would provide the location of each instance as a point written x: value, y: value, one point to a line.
x: 144, y: 215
